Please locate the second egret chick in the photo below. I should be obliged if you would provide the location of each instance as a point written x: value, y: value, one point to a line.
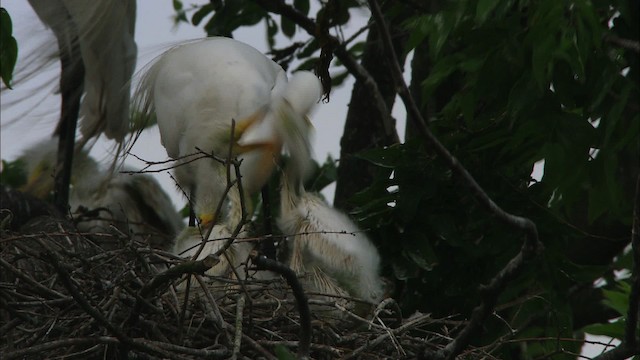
x: 133, y: 203
x: 326, y: 242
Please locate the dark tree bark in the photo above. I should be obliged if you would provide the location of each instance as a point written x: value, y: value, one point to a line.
x: 364, y: 129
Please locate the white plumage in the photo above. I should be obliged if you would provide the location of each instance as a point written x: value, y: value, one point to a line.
x: 104, y: 30
x: 327, y: 246
x: 134, y: 203
x: 197, y: 89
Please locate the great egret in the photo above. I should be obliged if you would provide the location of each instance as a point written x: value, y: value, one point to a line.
x: 134, y: 203
x: 104, y: 32
x: 197, y: 89
x: 327, y: 249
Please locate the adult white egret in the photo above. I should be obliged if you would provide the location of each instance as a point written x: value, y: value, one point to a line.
x: 197, y: 89
x: 134, y: 203
x: 103, y: 30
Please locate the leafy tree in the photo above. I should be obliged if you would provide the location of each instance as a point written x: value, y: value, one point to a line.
x: 503, y: 85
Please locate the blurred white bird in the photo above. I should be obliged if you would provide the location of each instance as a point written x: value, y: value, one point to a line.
x: 327, y: 249
x: 197, y: 89
x: 191, y: 243
x: 133, y: 203
x: 104, y: 32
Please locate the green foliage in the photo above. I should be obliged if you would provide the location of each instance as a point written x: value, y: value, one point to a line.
x: 13, y: 173
x: 531, y: 81
x: 8, y: 48
x: 618, y: 300
x: 282, y: 353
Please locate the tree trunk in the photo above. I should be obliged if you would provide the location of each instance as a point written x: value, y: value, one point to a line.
x: 364, y: 128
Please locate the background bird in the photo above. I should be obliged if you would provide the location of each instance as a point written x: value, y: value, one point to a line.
x: 197, y: 90
x: 97, y: 53
x: 103, y: 32
x: 133, y: 203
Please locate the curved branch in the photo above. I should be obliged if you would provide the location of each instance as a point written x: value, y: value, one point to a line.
x: 263, y: 263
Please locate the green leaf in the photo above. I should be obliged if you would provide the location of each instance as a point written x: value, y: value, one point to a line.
x: 288, y: 27
x: 199, y: 15
x: 282, y: 353
x: 302, y: 6
x: 14, y: 173
x: 618, y: 299
x: 8, y: 48
x: 483, y: 9
x: 614, y: 330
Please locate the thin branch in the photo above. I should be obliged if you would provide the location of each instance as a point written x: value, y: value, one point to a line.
x: 531, y: 245
x: 623, y: 43
x: 263, y: 263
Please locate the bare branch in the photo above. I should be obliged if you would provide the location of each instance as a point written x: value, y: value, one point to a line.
x: 263, y: 263
x: 624, y: 43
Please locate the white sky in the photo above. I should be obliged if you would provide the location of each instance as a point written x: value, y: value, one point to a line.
x: 34, y: 109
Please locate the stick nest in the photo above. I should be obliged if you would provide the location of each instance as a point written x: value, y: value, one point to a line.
x: 69, y: 295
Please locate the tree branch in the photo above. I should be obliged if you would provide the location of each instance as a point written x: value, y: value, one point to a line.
x: 531, y: 245
x: 623, y: 43
x: 263, y: 263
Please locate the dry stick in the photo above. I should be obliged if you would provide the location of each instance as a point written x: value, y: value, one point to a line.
x: 48, y: 346
x: 238, y: 331
x: 219, y: 321
x: 263, y: 263
x: 630, y: 344
x: 397, y: 331
x: 29, y: 280
x: 65, y: 278
x: 531, y: 244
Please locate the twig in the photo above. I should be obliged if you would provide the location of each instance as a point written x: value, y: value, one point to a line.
x: 624, y: 43
x: 531, y: 245
x: 399, y: 330
x: 238, y: 331
x: 165, y: 277
x: 263, y: 263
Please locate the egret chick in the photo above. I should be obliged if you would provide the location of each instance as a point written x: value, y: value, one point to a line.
x: 134, y: 203
x: 326, y: 246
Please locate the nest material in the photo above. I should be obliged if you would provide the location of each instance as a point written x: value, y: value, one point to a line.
x: 70, y: 295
